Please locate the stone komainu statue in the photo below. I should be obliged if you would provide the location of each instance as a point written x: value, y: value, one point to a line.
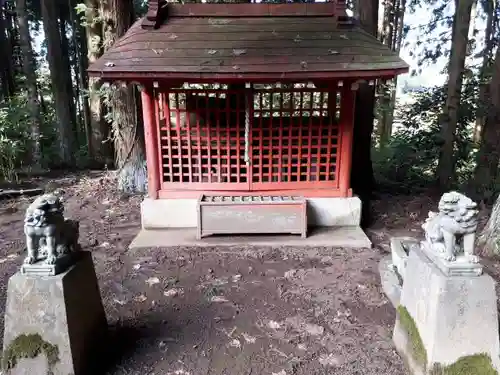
x: 451, y: 231
x: 49, y: 235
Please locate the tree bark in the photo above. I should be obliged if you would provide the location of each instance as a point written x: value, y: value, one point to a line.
x: 449, y: 118
x: 100, y: 144
x: 392, y: 37
x: 81, y: 62
x: 488, y: 156
x: 118, y: 16
x: 31, y: 84
x: 70, y: 91
x: 6, y: 68
x: 484, y: 75
x: 362, y: 179
x: 58, y: 75
x: 489, y: 238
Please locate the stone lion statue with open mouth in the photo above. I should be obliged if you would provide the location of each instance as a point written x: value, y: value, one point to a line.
x: 49, y: 235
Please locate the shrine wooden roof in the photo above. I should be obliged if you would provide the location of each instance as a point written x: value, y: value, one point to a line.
x: 247, y: 41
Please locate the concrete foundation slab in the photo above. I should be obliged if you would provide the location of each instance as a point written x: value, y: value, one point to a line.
x: 54, y: 324
x: 455, y: 316
x: 182, y: 213
x: 351, y: 236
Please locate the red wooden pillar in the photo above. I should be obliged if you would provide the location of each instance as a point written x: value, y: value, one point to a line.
x: 346, y: 134
x: 151, y: 141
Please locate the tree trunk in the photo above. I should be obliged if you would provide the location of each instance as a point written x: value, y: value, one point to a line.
x: 31, y: 85
x: 58, y: 75
x: 7, y: 88
x: 362, y: 179
x: 392, y: 35
x: 489, y: 9
x: 449, y: 119
x: 100, y: 145
x: 70, y: 92
x: 118, y: 16
x: 489, y: 238
x: 80, y: 45
x: 13, y: 43
x: 488, y: 156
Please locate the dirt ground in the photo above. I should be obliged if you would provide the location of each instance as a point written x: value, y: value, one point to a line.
x: 242, y: 310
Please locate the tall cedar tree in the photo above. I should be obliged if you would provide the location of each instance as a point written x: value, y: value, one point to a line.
x: 60, y: 77
x: 391, y: 36
x: 489, y: 7
x: 488, y: 156
x: 101, y: 147
x: 118, y: 16
x: 31, y: 84
x: 7, y: 82
x: 487, y: 160
x: 362, y: 179
x: 449, y: 118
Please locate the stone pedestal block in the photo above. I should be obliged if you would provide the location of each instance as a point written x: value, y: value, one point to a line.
x: 54, y: 325
x: 445, y: 320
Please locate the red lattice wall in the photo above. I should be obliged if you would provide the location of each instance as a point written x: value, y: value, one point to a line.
x: 289, y: 139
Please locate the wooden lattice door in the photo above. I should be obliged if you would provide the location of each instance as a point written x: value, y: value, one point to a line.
x: 287, y: 140
x: 295, y: 138
x: 203, y: 140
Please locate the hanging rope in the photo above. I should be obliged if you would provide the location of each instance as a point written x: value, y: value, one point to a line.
x: 247, y: 127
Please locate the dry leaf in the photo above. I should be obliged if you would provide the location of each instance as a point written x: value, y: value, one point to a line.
x: 219, y: 299
x: 174, y: 292
x: 152, y: 281
x: 212, y: 51
x: 273, y: 325
x: 140, y: 298
x: 235, y: 343
x: 249, y: 339
x: 329, y: 360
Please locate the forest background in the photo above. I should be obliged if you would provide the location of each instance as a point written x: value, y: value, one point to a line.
x: 437, y: 127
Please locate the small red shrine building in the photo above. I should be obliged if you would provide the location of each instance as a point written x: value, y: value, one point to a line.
x: 248, y: 99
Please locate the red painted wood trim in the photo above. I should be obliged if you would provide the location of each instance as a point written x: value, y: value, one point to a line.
x: 151, y: 141
x: 318, y: 193
x: 346, y: 138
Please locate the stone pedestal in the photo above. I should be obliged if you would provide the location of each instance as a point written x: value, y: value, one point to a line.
x: 445, y: 321
x: 54, y: 325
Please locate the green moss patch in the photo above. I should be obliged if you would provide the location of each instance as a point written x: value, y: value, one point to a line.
x: 29, y: 346
x: 417, y: 348
x: 479, y: 364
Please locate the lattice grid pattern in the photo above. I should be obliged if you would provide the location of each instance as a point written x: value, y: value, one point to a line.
x: 293, y: 137
x: 202, y: 140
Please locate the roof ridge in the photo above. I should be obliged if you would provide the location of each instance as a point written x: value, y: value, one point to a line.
x: 160, y: 10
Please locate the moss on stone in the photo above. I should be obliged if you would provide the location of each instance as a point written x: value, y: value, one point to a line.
x: 479, y: 364
x: 29, y: 346
x: 417, y: 347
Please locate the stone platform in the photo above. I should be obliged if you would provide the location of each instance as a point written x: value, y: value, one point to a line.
x: 443, y: 319
x: 54, y: 325
x: 350, y: 237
